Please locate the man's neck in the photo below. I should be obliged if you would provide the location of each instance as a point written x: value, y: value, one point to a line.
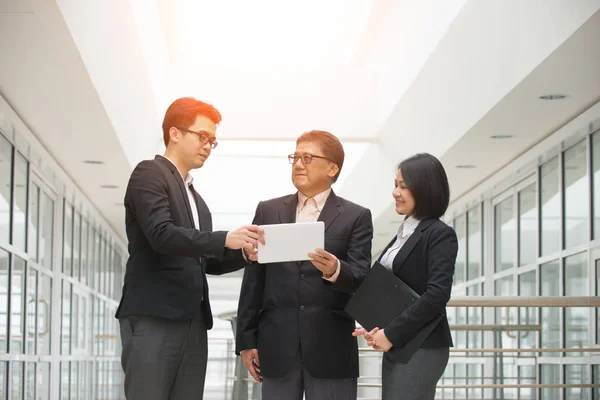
x: 183, y: 170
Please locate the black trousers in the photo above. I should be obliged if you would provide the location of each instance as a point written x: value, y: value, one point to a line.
x: 299, y: 384
x: 163, y: 359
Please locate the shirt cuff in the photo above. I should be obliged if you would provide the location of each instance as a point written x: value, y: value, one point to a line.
x: 245, y: 258
x: 335, y: 275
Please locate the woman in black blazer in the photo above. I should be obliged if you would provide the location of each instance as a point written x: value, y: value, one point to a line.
x: 423, y: 256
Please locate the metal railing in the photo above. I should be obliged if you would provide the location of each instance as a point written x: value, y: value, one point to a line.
x: 463, y: 386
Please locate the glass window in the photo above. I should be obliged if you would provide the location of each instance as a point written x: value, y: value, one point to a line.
x: 30, y: 383
x: 17, y: 313
x: 44, y: 327
x: 598, y: 309
x: 3, y: 379
x: 43, y: 381
x: 20, y: 206
x: 34, y: 205
x: 550, y: 286
x: 64, y: 380
x: 76, y: 245
x: 526, y: 377
x: 505, y: 233
x: 506, y: 315
x: 474, y: 316
x: 460, y: 372
x: 527, y: 315
x: 475, y: 372
x: 32, y: 300
x: 550, y: 208
x: 5, y: 188
x: 527, y: 226
x: 576, y: 318
x: 596, y: 182
x: 16, y: 380
x: 47, y: 229
x: 576, y: 195
x: 84, y: 251
x: 550, y: 375
x: 596, y: 380
x: 474, y: 246
x: 74, y: 387
x: 68, y: 242
x: 461, y: 257
x: 577, y: 374
x: 66, y: 319
x: 4, y: 260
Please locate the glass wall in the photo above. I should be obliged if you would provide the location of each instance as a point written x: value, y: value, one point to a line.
x: 60, y: 278
x: 543, y: 239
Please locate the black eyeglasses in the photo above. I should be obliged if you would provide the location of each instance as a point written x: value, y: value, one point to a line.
x: 306, y: 158
x: 203, y: 136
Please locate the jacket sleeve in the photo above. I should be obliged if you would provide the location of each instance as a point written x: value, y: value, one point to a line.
x: 251, y: 297
x: 358, y: 257
x: 233, y: 260
x: 147, y: 198
x: 441, y: 255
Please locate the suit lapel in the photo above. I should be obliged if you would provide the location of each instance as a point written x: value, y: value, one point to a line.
x: 179, y: 180
x: 386, y: 248
x: 287, y: 211
x: 204, y: 218
x: 410, y: 244
x: 331, y: 210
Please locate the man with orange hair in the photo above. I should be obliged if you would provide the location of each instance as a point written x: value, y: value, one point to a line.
x: 165, y: 312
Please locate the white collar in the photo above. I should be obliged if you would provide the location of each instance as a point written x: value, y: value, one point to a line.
x: 320, y: 199
x: 188, y: 180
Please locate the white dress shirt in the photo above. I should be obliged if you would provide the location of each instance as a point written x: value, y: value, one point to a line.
x: 406, y: 229
x: 306, y: 212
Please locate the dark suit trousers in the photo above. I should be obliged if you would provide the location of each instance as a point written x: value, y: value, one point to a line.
x: 163, y: 359
x: 299, y: 381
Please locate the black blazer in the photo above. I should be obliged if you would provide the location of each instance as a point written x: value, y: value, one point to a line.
x: 168, y: 258
x: 286, y: 305
x: 426, y: 264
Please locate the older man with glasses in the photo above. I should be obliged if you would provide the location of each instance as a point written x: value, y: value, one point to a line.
x: 292, y: 331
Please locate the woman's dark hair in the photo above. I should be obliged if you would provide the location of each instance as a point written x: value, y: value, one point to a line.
x: 426, y: 179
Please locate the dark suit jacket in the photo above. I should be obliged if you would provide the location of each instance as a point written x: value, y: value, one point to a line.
x: 286, y: 305
x: 168, y: 258
x: 426, y: 264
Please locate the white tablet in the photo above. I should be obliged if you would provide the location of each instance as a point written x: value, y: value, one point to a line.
x: 291, y: 242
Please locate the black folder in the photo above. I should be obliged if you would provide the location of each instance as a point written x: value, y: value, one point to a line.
x: 380, y: 298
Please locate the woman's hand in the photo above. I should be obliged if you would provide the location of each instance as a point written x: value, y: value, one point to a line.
x: 375, y: 338
x: 379, y: 340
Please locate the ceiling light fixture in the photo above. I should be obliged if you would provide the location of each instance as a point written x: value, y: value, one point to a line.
x: 553, y: 96
x: 109, y: 186
x: 502, y: 136
x: 94, y: 162
x: 465, y: 166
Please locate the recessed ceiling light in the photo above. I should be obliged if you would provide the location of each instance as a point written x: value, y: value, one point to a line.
x: 502, y: 136
x: 465, y: 166
x: 95, y: 162
x: 109, y: 186
x: 553, y: 96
